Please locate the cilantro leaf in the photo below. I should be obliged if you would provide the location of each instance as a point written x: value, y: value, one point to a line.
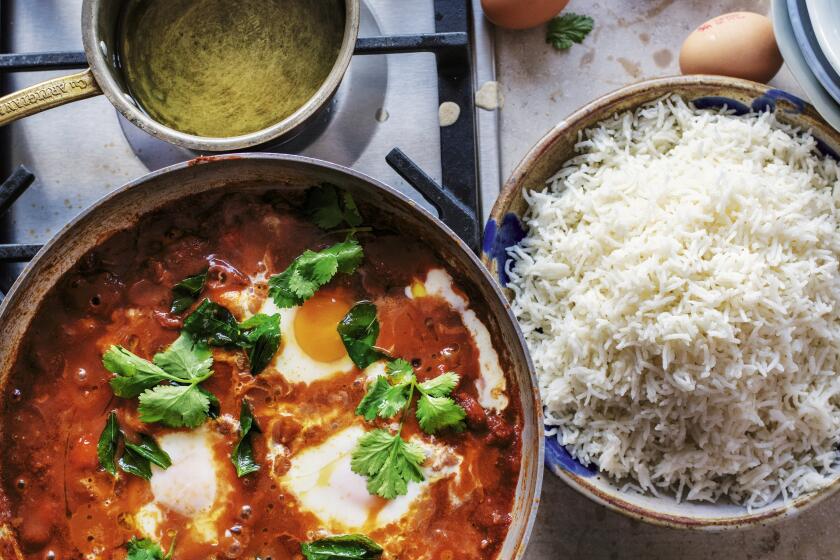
x: 329, y: 206
x: 213, y: 324
x: 176, y: 406
x: 369, y: 405
x: 144, y: 549
x: 186, y: 359
x: 437, y: 413
x: 311, y: 270
x: 133, y: 374
x: 388, y: 462
x: 106, y: 449
x: 261, y: 334
x: 399, y: 370
x: 185, y: 292
x: 359, y: 330
x: 243, y: 454
x: 148, y: 448
x: 568, y: 28
x: 339, y: 547
x: 440, y: 386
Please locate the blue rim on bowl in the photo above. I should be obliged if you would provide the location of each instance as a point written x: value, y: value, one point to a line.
x: 798, y: 66
x: 506, y: 228
x: 803, y: 30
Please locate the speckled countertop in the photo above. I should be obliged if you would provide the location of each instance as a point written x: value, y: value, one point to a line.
x: 632, y: 40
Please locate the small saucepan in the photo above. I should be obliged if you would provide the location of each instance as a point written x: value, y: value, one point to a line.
x: 101, y: 28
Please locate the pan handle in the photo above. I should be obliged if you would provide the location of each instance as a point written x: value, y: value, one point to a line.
x: 47, y: 95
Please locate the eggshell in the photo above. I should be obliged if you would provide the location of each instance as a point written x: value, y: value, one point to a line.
x: 740, y: 44
x: 521, y: 14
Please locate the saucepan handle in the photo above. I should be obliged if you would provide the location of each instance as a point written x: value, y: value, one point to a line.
x: 47, y: 95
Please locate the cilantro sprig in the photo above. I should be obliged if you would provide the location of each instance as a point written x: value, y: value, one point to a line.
x: 186, y: 292
x: 145, y: 549
x: 388, y: 461
x: 311, y: 270
x: 136, y: 459
x: 568, y: 28
x: 168, y: 386
x: 214, y: 325
x: 349, y: 547
x: 330, y: 207
x: 243, y: 453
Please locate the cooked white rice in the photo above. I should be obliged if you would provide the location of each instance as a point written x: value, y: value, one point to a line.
x: 680, y: 293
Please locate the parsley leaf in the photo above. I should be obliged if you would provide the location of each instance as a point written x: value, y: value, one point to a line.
x: 185, y: 292
x: 359, y: 330
x: 339, y: 547
x: 388, y: 462
x: 144, y: 549
x: 186, y: 359
x: 177, y: 406
x: 106, y: 449
x: 148, y: 448
x: 262, y: 338
x: 243, y: 454
x: 329, y: 206
x: 568, y: 28
x: 369, y: 405
x: 311, y: 270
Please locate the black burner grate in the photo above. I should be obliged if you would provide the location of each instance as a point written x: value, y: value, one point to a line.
x: 458, y: 203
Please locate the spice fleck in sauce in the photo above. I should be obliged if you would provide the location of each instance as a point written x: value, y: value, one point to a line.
x: 59, y: 500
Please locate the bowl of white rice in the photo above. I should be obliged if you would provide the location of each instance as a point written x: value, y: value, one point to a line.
x: 672, y: 254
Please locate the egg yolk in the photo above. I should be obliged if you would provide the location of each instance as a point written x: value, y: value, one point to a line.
x: 316, y: 325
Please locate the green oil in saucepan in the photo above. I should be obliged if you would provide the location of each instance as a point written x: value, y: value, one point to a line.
x: 222, y: 68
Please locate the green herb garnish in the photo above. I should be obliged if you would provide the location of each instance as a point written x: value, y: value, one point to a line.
x: 106, y: 450
x: 341, y: 547
x: 388, y: 461
x: 144, y: 549
x: 243, y: 454
x: 136, y: 458
x: 181, y: 402
x: 330, y: 207
x: 216, y: 326
x: 311, y: 270
x: 358, y: 331
x: 568, y: 28
x: 186, y: 292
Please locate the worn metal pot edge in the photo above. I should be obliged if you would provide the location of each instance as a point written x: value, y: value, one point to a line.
x: 48, y: 263
x: 95, y: 43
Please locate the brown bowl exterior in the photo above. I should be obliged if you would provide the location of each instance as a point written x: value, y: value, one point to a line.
x: 505, y: 228
x: 123, y: 208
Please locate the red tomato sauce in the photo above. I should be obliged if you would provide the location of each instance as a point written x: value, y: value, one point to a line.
x: 63, y: 505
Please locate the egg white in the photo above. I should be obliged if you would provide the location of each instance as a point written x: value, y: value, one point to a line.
x: 322, y: 480
x: 491, y: 384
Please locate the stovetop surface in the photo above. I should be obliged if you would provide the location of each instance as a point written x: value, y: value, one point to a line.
x: 81, y: 151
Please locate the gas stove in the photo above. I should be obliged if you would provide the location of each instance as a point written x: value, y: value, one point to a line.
x: 411, y: 56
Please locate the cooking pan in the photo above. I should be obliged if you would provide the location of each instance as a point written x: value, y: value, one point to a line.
x: 123, y: 208
x: 99, y: 34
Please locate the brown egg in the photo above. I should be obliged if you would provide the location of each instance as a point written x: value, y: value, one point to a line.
x: 740, y: 44
x: 521, y: 14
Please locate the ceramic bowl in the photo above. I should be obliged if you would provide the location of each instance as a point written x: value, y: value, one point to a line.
x: 505, y: 228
